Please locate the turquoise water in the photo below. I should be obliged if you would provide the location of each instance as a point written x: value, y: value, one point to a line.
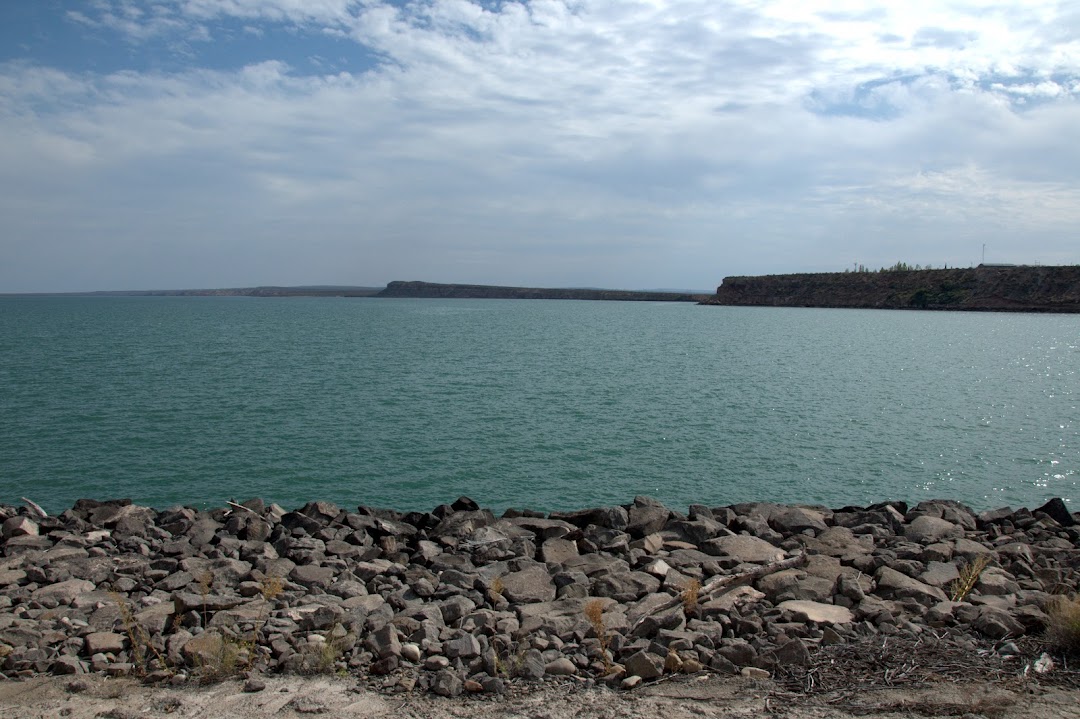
x: 543, y: 404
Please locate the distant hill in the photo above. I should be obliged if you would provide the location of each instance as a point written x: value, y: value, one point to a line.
x: 434, y: 290
x: 991, y: 288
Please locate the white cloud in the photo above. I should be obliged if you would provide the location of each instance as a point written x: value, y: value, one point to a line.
x: 491, y: 142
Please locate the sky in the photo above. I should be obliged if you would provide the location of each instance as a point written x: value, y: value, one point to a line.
x: 165, y: 144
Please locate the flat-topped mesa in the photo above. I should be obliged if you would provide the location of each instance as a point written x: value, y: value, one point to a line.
x: 458, y: 599
x: 983, y: 288
x: 418, y: 289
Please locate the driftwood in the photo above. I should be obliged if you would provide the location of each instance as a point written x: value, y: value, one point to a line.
x: 718, y: 583
x: 35, y: 508
x: 240, y: 506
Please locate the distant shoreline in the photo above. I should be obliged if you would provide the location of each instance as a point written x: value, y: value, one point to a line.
x: 459, y: 291
x: 266, y: 291
x: 400, y: 289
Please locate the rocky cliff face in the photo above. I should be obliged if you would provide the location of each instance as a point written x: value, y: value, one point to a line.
x: 1001, y: 289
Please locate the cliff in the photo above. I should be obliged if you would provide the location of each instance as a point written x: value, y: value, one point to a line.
x: 983, y: 288
x: 431, y: 289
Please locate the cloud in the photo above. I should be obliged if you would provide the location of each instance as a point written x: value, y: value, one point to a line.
x: 653, y: 143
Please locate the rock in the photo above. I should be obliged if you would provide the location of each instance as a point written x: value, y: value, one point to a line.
x: 840, y: 542
x: 650, y: 543
x: 532, y: 665
x: 997, y: 624
x: 646, y: 516
x: 893, y: 584
x: 672, y: 620
x: 383, y: 642
x: 723, y: 604
x: 156, y: 619
x: 754, y: 673
x: 361, y: 583
x: 939, y: 574
x: 1017, y: 551
x: 530, y: 585
x: 493, y: 685
x: 202, y: 531
x: 850, y: 587
x: 630, y: 682
x: 941, y: 613
x: 608, y: 517
x: 793, y: 653
x: 254, y: 684
x: 793, y: 520
x: 411, y: 652
x: 625, y: 587
x: 204, y: 649
x: 311, y: 575
x: 738, y: 651
x: 68, y: 665
x: 560, y: 667
x: 1033, y: 618
x: 465, y: 646
x: 996, y: 582
x: 105, y: 643
x: 658, y: 568
x: 19, y: 527
x: 744, y: 548
x: 384, y: 666
x: 805, y: 611
x: 62, y: 592
x: 699, y: 530
x: 558, y: 551
x: 645, y: 665
x: 968, y: 549
x: 673, y: 663
x: 946, y: 509
x: 928, y: 530
x: 937, y: 552
x: 1055, y: 509
x: 189, y: 601
x: 11, y: 576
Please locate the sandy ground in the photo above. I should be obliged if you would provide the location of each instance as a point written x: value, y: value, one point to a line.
x: 696, y: 697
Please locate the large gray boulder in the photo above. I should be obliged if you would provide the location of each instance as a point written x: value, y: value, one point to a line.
x: 530, y: 585
x: 927, y: 530
x: 744, y: 548
x: 891, y: 584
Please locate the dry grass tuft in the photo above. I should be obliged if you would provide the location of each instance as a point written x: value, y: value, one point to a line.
x: 969, y: 577
x: 143, y: 650
x: 690, y: 596
x: 1063, y: 627
x: 271, y: 587
x: 594, y: 612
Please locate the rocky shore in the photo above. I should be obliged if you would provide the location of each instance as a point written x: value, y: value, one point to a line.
x: 458, y: 601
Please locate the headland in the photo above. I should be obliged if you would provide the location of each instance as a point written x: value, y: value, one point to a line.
x: 986, y: 288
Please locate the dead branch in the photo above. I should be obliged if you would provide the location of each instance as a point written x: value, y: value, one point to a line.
x: 240, y: 506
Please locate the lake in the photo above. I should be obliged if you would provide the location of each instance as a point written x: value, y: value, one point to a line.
x: 549, y: 405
